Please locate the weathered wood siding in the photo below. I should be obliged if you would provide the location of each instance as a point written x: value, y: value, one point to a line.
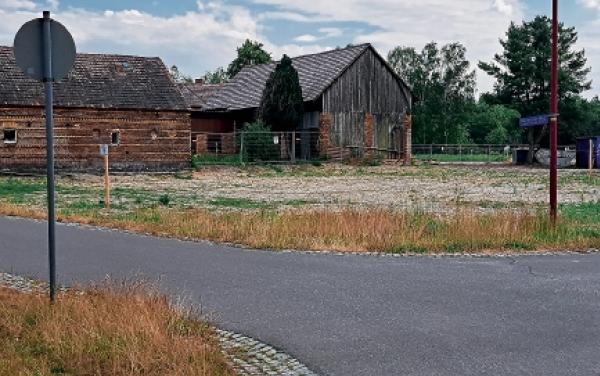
x: 149, y: 140
x: 367, y: 86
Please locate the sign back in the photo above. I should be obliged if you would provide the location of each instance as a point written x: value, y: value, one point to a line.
x: 28, y: 49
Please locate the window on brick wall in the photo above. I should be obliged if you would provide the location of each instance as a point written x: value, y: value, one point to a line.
x: 10, y: 136
x: 115, y: 138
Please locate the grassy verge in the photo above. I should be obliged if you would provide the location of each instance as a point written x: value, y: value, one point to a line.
x: 462, y: 158
x: 359, y: 231
x: 125, y: 331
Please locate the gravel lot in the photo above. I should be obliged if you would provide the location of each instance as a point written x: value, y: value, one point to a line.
x: 430, y: 188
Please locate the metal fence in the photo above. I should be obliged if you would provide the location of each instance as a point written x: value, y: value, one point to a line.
x: 255, y: 148
x: 464, y: 153
x: 569, y: 155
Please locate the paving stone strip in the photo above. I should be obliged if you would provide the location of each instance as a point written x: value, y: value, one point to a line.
x: 248, y: 356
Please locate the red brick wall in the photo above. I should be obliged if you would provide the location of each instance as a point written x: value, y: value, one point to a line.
x: 407, y: 140
x: 149, y: 140
x: 324, y: 130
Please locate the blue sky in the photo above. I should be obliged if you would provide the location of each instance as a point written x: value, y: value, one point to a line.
x: 202, y: 35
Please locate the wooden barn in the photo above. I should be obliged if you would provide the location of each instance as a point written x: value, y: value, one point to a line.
x: 353, y: 100
x: 127, y: 102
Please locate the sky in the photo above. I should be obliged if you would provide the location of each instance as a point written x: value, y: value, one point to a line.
x: 201, y: 35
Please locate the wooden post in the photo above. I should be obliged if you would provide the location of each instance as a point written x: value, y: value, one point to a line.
x: 242, y: 147
x: 106, y: 184
x: 293, y: 147
x: 591, y: 158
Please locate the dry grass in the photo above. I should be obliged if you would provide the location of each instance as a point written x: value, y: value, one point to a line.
x: 121, y: 331
x: 351, y: 230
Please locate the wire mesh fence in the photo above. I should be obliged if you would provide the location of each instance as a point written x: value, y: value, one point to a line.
x: 256, y: 148
x: 464, y: 153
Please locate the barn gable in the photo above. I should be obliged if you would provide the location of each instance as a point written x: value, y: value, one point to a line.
x: 316, y: 72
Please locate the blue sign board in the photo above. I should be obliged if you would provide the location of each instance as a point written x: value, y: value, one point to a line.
x: 534, y: 121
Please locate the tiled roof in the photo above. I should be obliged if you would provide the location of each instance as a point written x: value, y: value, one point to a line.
x: 97, y: 81
x: 316, y: 72
x: 196, y: 95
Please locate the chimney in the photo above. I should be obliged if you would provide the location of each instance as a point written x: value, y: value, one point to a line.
x: 199, y: 81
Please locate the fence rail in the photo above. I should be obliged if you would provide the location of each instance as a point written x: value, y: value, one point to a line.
x: 256, y: 148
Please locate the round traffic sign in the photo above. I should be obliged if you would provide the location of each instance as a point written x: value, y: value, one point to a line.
x: 29, y: 49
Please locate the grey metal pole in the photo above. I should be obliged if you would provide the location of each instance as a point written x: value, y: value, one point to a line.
x: 48, y: 80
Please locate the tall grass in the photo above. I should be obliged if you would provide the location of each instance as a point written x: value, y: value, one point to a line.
x: 355, y: 230
x: 129, y: 331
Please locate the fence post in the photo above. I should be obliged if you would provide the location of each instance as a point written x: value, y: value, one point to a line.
x: 431, y: 152
x: 241, y: 147
x: 293, y: 147
x: 489, y: 154
x: 591, y: 158
x: 460, y: 152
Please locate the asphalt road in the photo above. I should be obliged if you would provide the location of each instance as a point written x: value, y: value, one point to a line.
x: 356, y: 315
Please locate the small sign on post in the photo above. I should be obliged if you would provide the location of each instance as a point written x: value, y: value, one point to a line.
x: 534, y: 121
x: 45, y: 51
x: 104, y: 154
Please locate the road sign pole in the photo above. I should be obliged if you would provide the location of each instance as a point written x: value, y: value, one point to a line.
x: 554, y: 117
x: 48, y: 80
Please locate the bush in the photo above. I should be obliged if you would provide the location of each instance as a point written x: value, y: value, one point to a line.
x: 165, y: 200
x: 258, y: 143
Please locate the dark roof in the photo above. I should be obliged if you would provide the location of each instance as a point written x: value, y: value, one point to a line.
x: 196, y: 95
x: 97, y: 81
x: 316, y: 72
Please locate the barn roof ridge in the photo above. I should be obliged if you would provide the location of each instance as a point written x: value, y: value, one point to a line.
x: 102, y: 81
x: 317, y: 72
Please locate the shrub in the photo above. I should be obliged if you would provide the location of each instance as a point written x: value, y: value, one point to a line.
x: 258, y: 143
x: 165, y: 200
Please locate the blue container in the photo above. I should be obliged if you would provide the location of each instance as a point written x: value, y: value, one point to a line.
x: 583, y: 152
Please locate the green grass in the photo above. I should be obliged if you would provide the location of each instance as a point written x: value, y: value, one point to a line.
x: 18, y: 191
x: 199, y: 161
x: 461, y: 158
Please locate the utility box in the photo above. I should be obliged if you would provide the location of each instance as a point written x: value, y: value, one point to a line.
x: 583, y: 152
x: 519, y: 156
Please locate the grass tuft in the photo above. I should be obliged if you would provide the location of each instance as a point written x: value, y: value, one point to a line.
x: 104, y: 331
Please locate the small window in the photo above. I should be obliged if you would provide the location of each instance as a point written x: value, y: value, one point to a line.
x: 96, y: 133
x: 115, y: 138
x: 10, y: 136
x: 154, y: 135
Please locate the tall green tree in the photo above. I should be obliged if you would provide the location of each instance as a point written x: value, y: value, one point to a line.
x: 444, y: 83
x: 179, y: 77
x: 218, y: 76
x: 522, y: 73
x: 282, y: 106
x: 249, y: 53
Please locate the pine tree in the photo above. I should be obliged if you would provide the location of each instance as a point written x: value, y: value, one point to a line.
x: 522, y: 73
x: 282, y: 106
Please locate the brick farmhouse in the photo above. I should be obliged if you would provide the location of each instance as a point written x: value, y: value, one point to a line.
x: 127, y: 102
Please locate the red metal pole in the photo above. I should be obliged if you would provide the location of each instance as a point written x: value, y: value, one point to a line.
x: 554, y: 116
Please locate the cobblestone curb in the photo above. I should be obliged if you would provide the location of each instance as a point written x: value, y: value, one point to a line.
x: 248, y: 356
x: 258, y: 358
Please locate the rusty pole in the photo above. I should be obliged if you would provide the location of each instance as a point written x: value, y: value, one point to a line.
x: 554, y: 116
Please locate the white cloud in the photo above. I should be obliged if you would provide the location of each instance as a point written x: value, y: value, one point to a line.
x: 331, y: 32
x: 18, y: 4
x: 504, y: 7
x: 477, y: 23
x: 592, y: 4
x: 306, y: 38
x: 196, y: 41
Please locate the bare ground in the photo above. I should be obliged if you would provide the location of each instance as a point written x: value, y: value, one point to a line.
x: 429, y: 188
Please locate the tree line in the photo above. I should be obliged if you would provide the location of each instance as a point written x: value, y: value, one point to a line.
x: 447, y: 110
